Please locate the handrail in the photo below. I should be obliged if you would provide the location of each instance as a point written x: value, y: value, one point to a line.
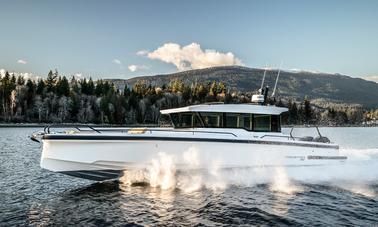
x: 165, y: 130
x: 47, y: 128
x: 98, y: 130
x: 170, y: 130
x: 317, y: 129
x: 291, y: 133
x: 282, y: 136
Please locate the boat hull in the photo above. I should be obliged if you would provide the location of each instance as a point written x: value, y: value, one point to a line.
x: 107, y: 158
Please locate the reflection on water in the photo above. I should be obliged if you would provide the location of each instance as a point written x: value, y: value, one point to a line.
x: 335, y: 195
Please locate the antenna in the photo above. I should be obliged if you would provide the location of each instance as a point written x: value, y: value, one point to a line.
x: 263, y: 80
x: 278, y: 76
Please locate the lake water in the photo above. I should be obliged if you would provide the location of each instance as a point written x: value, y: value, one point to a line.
x: 338, y: 195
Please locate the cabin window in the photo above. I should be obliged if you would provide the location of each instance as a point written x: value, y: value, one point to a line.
x: 186, y: 120
x: 247, y: 118
x: 212, y: 120
x: 250, y: 122
x: 261, y: 123
x: 276, y: 123
x: 234, y: 120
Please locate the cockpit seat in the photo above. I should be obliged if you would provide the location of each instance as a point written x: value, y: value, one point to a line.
x: 322, y: 139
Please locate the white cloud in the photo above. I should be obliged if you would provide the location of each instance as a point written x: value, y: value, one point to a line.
x: 134, y: 68
x: 21, y: 61
x: 117, y: 61
x: 142, y: 52
x: 192, y: 56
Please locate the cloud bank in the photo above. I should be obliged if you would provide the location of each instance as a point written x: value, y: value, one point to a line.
x: 192, y: 56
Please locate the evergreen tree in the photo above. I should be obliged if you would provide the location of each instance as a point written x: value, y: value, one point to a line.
x: 13, y: 83
x: 84, y: 86
x: 56, y: 99
x: 307, y: 111
x: 40, y: 87
x: 62, y: 87
x: 31, y: 91
x: 99, y: 88
x: 293, y: 114
x: 20, y: 80
x: 50, y: 82
x: 74, y: 85
x: 90, y: 87
x: 126, y: 91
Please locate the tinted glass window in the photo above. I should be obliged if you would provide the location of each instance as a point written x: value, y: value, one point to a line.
x: 255, y: 122
x: 261, y: 123
x: 186, y: 120
x: 212, y: 120
x: 197, y: 121
x: 247, y: 121
x: 276, y: 123
x: 234, y: 120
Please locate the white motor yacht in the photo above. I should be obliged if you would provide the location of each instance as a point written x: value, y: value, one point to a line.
x: 233, y: 135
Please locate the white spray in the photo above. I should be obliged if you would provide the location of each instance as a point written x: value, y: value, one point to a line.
x: 186, y: 173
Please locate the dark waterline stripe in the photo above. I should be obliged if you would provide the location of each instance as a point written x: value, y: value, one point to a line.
x: 183, y: 139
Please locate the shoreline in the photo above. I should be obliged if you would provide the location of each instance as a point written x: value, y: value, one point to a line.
x: 42, y: 125
x: 61, y: 125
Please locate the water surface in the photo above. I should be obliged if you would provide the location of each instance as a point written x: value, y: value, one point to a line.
x: 344, y: 195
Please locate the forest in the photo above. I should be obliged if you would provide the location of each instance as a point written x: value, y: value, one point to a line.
x: 58, y: 99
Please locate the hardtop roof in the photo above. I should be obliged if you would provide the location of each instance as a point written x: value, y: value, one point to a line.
x: 229, y: 108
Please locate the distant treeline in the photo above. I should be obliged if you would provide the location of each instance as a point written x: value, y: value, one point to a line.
x: 58, y: 99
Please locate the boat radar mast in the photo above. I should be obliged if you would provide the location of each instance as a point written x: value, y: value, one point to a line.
x: 262, y: 96
x: 259, y: 98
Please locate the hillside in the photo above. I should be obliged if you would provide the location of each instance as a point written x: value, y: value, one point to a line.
x: 330, y: 87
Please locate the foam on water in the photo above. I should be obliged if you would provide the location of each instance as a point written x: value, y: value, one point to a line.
x: 356, y: 175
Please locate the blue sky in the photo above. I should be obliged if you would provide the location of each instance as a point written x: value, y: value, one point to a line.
x: 102, y: 38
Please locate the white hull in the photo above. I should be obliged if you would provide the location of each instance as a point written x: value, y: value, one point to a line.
x: 225, y: 135
x: 106, y: 159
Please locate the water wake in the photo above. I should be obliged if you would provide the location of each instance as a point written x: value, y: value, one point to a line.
x: 356, y: 175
